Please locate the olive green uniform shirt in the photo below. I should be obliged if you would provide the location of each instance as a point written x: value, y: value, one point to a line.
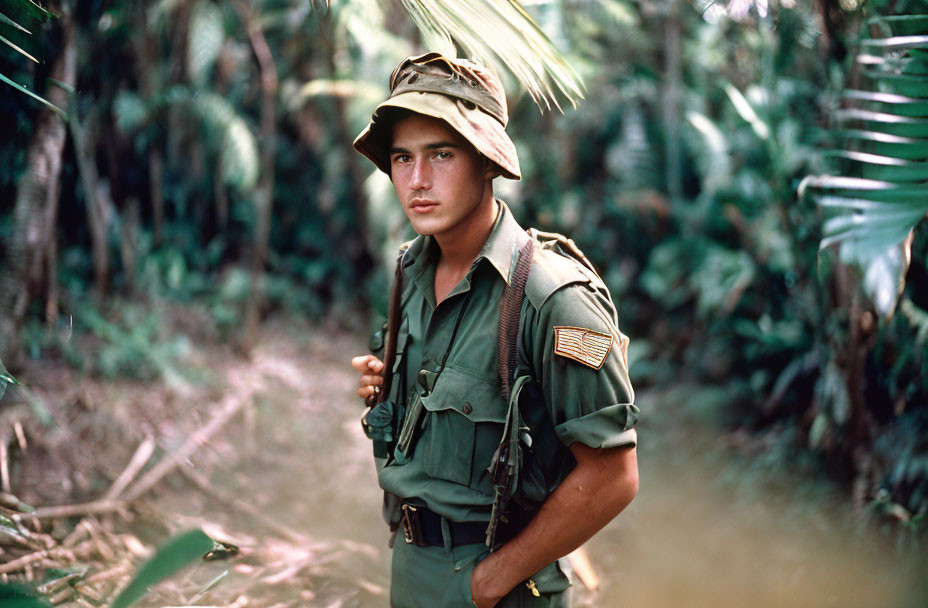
x: 464, y: 411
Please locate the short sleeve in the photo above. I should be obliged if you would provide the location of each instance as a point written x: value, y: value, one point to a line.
x: 580, y: 360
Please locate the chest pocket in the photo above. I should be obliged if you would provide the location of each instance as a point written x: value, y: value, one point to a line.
x: 462, y: 429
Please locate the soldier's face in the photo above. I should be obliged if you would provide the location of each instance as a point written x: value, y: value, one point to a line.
x: 439, y: 177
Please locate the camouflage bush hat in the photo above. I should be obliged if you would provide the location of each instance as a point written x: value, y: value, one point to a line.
x: 469, y: 97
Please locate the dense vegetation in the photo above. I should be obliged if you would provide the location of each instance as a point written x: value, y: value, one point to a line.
x: 206, y: 160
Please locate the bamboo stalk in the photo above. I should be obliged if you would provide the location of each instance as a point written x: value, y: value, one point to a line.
x: 231, y: 405
x: 136, y: 464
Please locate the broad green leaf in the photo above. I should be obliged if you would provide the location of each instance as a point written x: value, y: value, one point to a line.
x: 18, y: 49
x: 33, y: 95
x: 19, y: 596
x: 8, y: 21
x: 174, y: 555
x: 500, y: 33
x: 205, y: 37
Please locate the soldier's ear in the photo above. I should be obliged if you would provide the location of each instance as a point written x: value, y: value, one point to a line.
x: 490, y: 169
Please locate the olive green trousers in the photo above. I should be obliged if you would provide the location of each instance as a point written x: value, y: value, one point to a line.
x: 439, y: 577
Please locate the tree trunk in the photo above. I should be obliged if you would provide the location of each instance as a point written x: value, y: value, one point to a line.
x: 673, y: 79
x: 148, y: 84
x: 264, y: 192
x: 129, y: 241
x: 356, y: 247
x: 84, y: 147
x: 35, y: 211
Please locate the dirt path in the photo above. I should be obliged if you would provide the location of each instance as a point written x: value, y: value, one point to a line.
x: 710, y: 527
x: 706, y: 529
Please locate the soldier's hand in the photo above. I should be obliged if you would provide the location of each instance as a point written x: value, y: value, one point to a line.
x: 371, y: 369
x: 480, y: 583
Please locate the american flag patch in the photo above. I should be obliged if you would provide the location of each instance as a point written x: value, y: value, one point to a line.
x: 583, y: 345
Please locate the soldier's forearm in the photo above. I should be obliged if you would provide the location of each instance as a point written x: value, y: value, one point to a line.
x: 602, y: 484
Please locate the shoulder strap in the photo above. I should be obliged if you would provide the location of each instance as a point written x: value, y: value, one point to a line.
x: 510, y: 307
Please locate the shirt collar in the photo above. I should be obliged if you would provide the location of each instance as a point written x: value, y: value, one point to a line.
x: 500, y: 248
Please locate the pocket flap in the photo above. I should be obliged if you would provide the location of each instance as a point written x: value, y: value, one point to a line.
x: 554, y: 577
x: 467, y: 394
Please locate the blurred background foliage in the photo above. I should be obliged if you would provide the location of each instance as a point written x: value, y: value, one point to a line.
x: 205, y: 164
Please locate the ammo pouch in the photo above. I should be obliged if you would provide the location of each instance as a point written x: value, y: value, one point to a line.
x: 377, y: 423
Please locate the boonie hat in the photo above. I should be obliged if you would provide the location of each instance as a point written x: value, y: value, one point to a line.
x: 467, y: 96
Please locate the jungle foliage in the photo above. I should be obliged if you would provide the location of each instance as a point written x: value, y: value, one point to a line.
x: 194, y: 128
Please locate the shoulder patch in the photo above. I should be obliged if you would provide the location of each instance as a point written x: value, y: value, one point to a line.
x: 582, y: 345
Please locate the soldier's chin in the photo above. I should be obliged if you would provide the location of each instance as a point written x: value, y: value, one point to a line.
x: 424, y: 226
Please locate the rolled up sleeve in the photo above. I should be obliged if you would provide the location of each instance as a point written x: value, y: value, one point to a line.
x: 594, y: 406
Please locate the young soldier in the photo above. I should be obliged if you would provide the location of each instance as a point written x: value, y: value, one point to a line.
x: 504, y: 429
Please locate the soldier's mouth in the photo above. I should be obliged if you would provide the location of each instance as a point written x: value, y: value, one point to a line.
x: 422, y: 206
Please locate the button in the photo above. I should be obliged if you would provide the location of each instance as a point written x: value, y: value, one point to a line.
x: 467, y: 408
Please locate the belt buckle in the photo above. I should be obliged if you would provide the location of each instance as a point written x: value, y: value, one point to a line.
x: 412, y: 528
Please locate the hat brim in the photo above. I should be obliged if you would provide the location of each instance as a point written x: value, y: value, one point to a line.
x: 483, y: 131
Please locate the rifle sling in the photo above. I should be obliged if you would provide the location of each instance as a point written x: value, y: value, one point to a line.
x: 393, y: 329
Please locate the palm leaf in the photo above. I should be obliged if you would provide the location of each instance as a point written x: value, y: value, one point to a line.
x: 501, y: 34
x: 879, y: 190
x: 39, y: 98
x: 238, y: 148
x: 33, y: 14
x: 8, y: 21
x: 18, y: 49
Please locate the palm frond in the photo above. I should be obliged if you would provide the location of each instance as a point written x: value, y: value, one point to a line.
x: 501, y: 34
x: 27, y: 12
x: 8, y: 21
x: 226, y: 129
x: 879, y: 189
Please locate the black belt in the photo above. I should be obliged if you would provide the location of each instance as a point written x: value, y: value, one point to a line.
x: 422, y: 527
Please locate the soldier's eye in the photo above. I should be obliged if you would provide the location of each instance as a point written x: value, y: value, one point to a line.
x: 442, y: 154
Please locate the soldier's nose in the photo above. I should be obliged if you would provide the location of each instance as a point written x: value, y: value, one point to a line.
x: 421, y: 177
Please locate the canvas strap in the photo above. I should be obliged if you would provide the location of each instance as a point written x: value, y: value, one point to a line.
x: 510, y: 307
